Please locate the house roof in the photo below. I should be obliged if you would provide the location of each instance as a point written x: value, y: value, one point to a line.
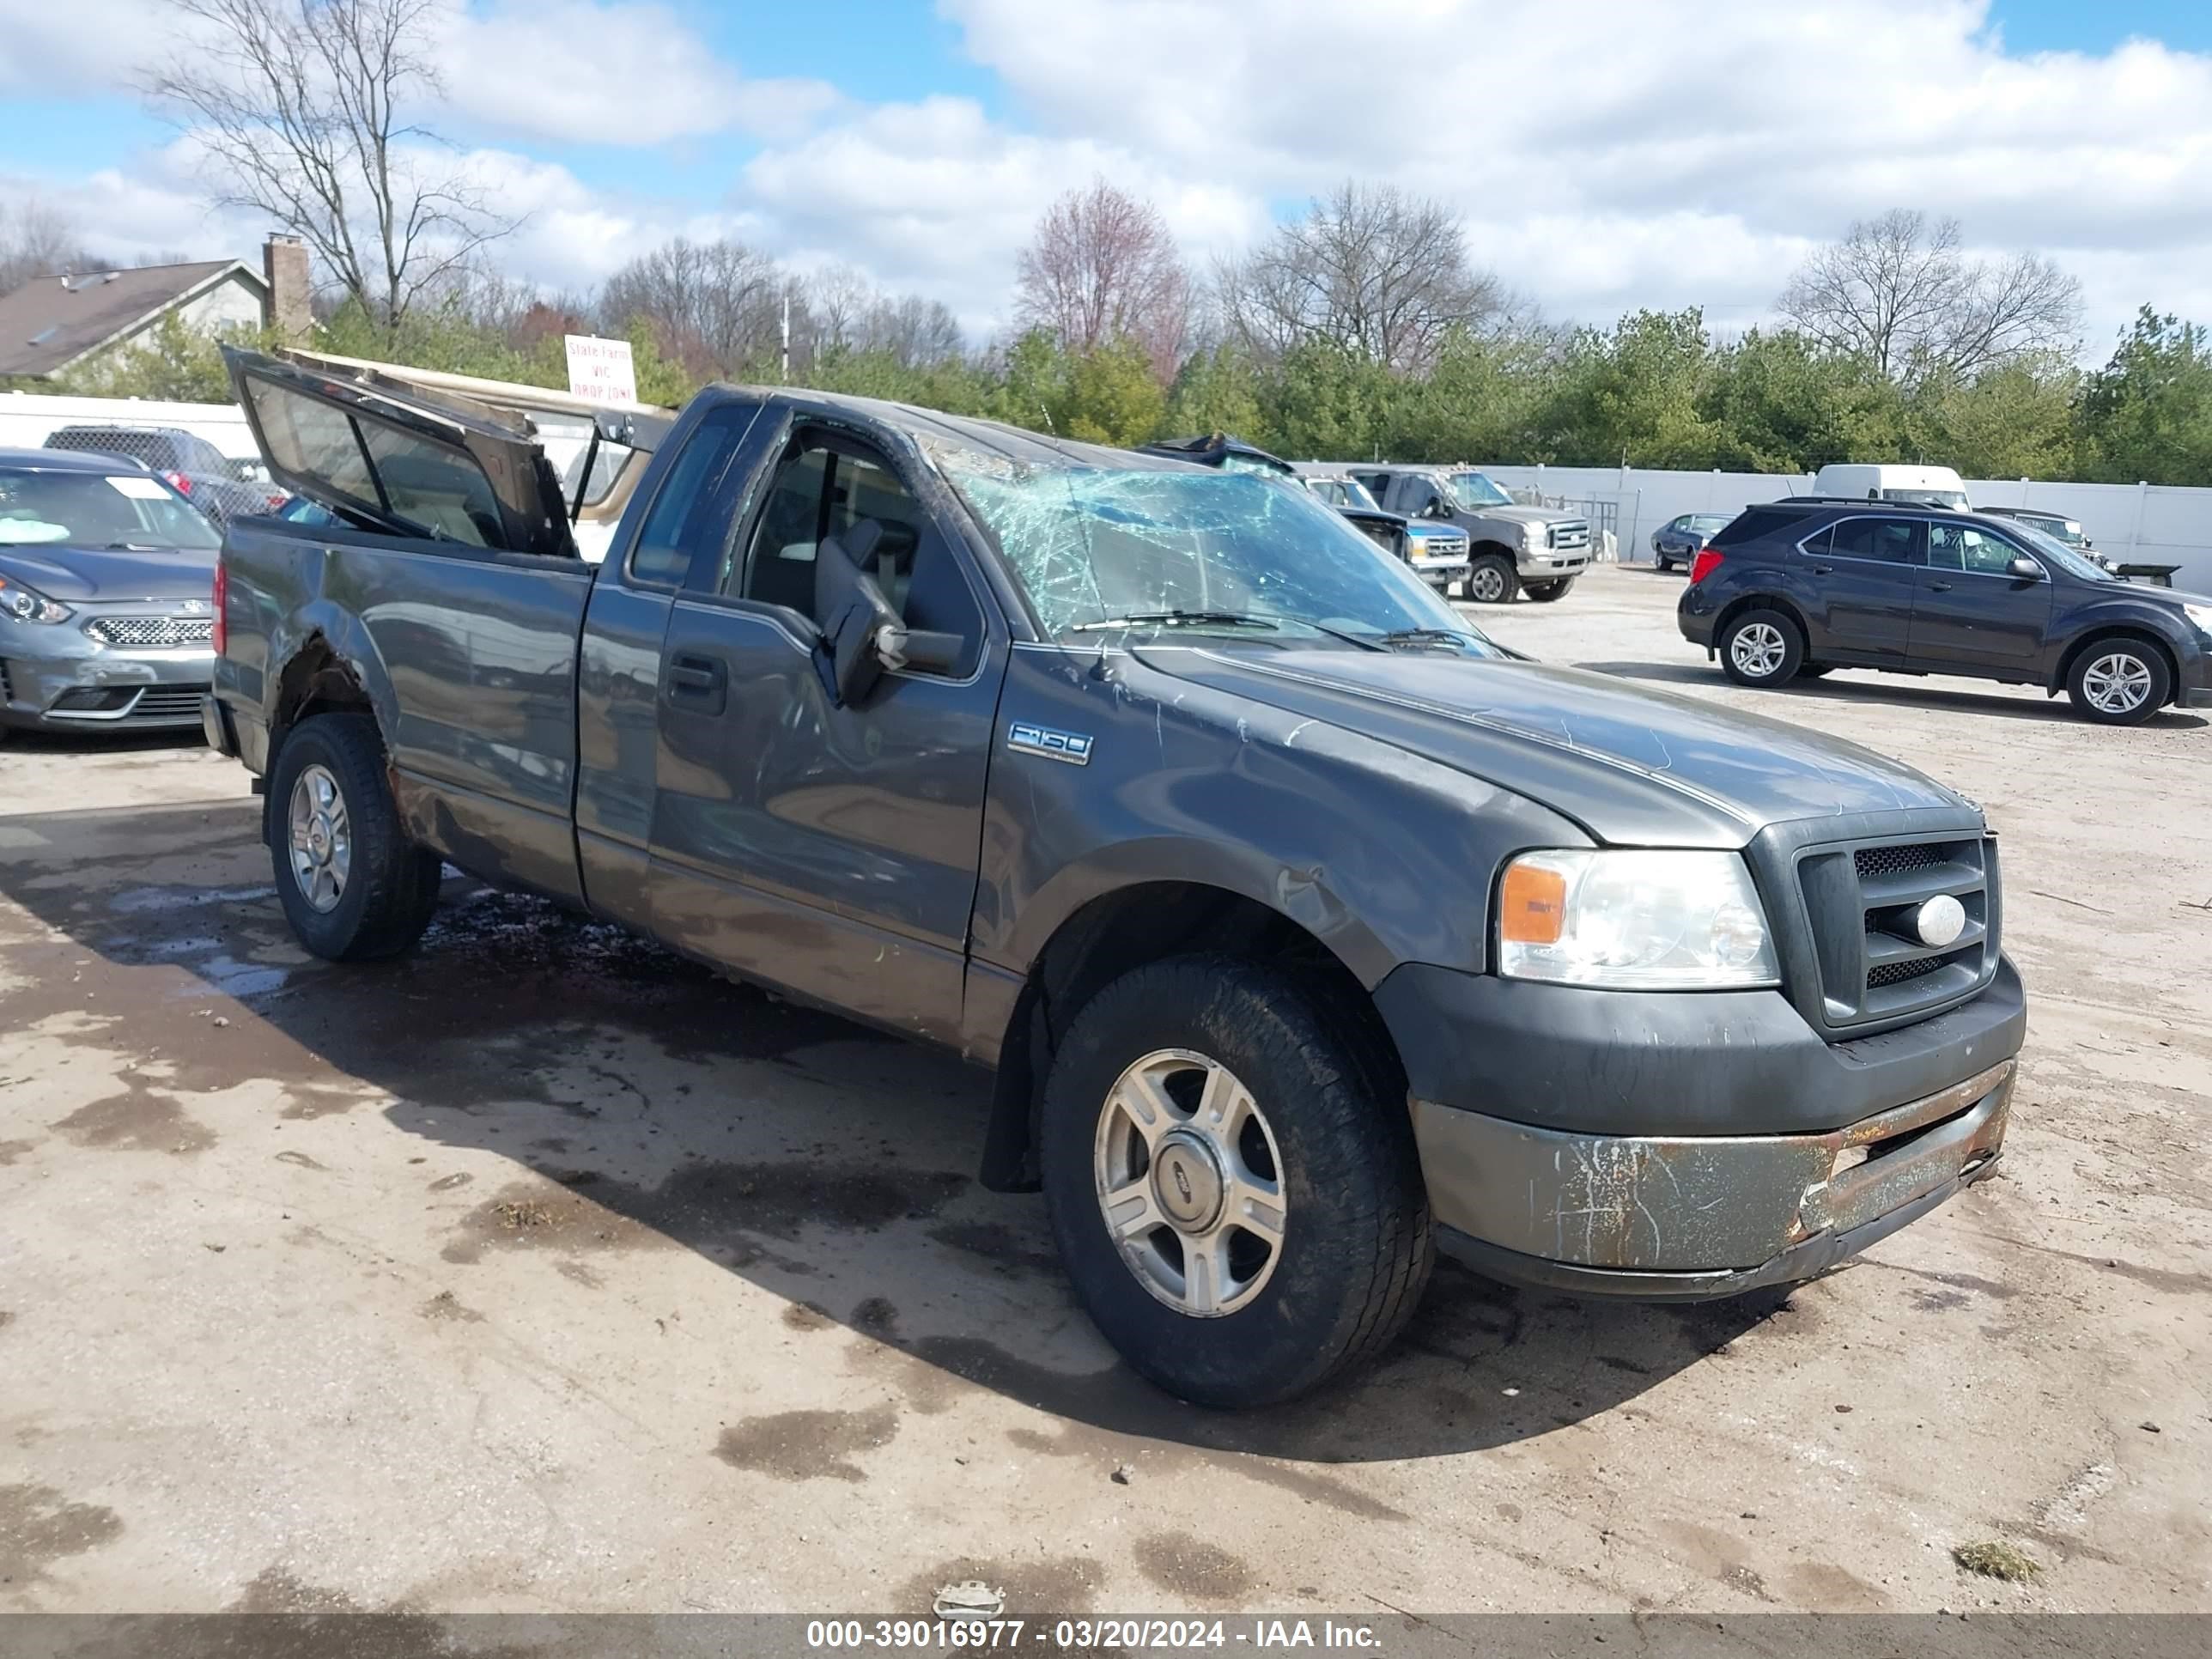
x: 51, y: 321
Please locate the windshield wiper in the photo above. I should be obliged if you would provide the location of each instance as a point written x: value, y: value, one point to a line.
x: 1176, y: 618
x: 1423, y: 637
x: 133, y: 547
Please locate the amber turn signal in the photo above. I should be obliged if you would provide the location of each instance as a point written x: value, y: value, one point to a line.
x: 1532, y: 907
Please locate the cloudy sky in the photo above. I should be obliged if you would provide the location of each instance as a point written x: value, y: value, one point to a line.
x: 1606, y: 154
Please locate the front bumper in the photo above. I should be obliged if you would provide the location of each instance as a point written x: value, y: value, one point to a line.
x: 1441, y: 573
x: 56, y: 677
x: 1691, y: 1145
x: 1544, y: 565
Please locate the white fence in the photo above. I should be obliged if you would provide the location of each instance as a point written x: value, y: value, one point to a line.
x: 27, y: 418
x: 2129, y: 524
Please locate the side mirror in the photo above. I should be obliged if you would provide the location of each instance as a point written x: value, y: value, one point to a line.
x: 2026, y: 568
x: 852, y: 613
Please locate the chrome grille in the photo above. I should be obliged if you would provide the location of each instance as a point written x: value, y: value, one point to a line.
x: 1575, y: 533
x: 1863, y: 901
x: 152, y: 633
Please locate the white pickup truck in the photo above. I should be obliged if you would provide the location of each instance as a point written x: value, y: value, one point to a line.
x: 1535, y: 550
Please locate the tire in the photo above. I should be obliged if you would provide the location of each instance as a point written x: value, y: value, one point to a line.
x: 1354, y: 1246
x: 364, y: 891
x: 1771, y: 649
x: 1545, y: 593
x: 1492, y: 580
x: 1662, y: 562
x: 2118, y: 682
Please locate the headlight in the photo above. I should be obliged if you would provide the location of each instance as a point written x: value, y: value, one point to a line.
x: 28, y: 605
x: 1532, y: 535
x: 1633, y: 920
x: 2201, y: 615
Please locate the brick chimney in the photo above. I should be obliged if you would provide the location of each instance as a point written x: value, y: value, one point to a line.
x: 284, y: 263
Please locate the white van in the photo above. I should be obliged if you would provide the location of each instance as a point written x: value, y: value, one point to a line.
x: 1887, y: 482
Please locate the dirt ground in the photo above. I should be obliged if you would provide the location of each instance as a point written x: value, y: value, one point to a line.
x: 540, y: 1270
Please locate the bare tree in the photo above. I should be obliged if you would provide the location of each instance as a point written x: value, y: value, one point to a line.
x: 38, y: 240
x: 301, y: 109
x: 718, y: 305
x: 1371, y: 269
x: 1103, y: 266
x: 1900, y: 291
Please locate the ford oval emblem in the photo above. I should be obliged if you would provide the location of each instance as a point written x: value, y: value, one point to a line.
x: 1940, y: 921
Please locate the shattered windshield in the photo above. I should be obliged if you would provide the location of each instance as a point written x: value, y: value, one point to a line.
x: 1194, y: 551
x: 1474, y: 489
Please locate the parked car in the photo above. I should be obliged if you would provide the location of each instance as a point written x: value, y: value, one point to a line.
x: 1679, y: 540
x: 1796, y: 588
x: 1511, y: 548
x: 1306, y: 931
x: 2056, y: 526
x: 200, y: 471
x: 106, y: 589
x: 1438, y: 552
x: 1934, y: 486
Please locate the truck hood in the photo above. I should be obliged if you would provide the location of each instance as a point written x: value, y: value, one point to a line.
x: 1633, y: 767
x: 75, y: 576
x: 1523, y: 514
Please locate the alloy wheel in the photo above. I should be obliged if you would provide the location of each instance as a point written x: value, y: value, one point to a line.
x: 1189, y: 1181
x: 321, y: 838
x: 2116, y: 683
x: 1758, y: 650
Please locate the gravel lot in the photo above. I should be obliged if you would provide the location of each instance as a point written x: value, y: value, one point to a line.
x: 541, y: 1271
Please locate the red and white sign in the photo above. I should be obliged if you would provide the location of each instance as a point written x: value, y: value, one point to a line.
x: 600, y: 369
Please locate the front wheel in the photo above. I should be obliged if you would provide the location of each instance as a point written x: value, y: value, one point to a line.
x: 1544, y: 592
x: 353, y: 885
x: 1232, y: 1180
x: 2118, y: 683
x: 1492, y: 581
x: 1761, y: 648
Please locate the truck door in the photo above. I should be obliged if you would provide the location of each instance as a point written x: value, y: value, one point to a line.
x: 829, y: 850
x: 685, y: 516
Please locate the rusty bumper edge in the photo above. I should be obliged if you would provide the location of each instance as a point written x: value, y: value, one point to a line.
x: 1714, y: 1207
x: 1800, y: 1262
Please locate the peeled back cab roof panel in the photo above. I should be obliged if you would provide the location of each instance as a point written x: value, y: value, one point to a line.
x: 410, y: 463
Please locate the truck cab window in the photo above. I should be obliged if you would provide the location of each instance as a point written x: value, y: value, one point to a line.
x: 683, y: 520
x: 821, y: 491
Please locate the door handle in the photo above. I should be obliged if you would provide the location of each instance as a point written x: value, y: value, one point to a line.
x: 701, y: 681
x: 1824, y: 570
x: 1938, y: 587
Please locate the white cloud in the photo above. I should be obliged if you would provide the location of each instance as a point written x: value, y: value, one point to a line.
x: 619, y: 73
x: 1606, y: 154
x: 626, y: 72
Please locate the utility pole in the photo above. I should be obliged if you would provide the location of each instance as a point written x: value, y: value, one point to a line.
x: 786, y: 370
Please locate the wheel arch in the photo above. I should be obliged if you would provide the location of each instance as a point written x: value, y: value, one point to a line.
x: 330, y: 665
x: 1762, y: 601
x: 2134, y: 632
x: 1143, y: 922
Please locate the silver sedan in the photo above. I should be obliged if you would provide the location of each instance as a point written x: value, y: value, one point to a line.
x: 107, y: 596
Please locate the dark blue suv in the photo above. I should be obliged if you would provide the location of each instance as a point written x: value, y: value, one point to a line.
x: 1796, y: 587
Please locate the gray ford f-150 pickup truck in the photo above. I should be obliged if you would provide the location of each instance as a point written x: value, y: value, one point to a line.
x: 1306, y: 931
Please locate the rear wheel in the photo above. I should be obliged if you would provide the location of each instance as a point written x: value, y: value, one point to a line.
x: 353, y: 885
x: 1761, y: 648
x: 1544, y: 592
x: 1232, y: 1180
x: 2118, y: 683
x: 1492, y: 581
x: 1664, y: 563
